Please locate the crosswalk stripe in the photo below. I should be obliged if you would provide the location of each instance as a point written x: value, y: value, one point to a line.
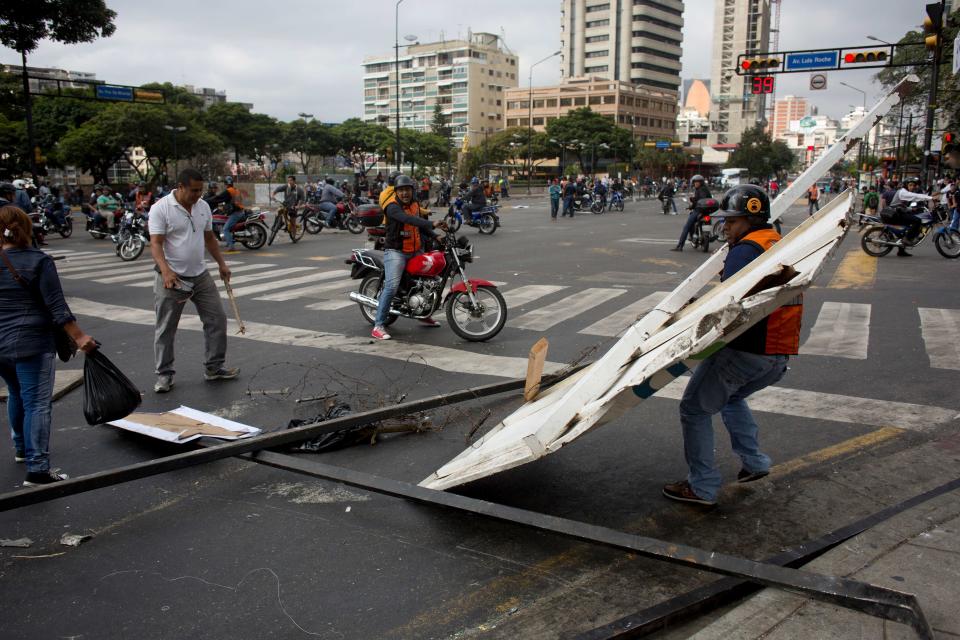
x: 106, y: 269
x: 553, y: 314
x: 211, y: 266
x: 616, y: 322
x: 941, y: 335
x: 69, y: 253
x: 273, y: 285
x: 442, y: 358
x: 142, y: 277
x: 842, y: 330
x: 523, y: 295
x: 648, y: 240
x: 78, y: 258
x: 835, y: 407
x: 263, y: 275
x: 305, y: 292
x: 331, y: 305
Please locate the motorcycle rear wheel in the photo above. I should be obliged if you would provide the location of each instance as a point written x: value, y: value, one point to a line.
x: 131, y: 248
x: 354, y: 225
x: 597, y: 207
x: 870, y: 242
x: 452, y: 222
x: 257, y: 236
x: 67, y: 229
x: 488, y: 224
x: 313, y: 224
x: 618, y: 205
x: 477, y: 325
x: 370, y: 287
x: 948, y: 243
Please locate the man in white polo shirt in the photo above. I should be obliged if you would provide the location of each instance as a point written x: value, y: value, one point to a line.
x: 181, y: 227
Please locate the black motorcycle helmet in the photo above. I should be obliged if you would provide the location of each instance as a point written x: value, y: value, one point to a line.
x: 392, y: 178
x: 404, y: 181
x: 329, y: 180
x: 746, y: 200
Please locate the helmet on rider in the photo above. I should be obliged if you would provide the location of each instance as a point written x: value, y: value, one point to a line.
x: 697, y: 178
x: 329, y: 180
x: 404, y: 182
x: 6, y: 189
x: 474, y: 180
x: 228, y: 180
x: 745, y: 200
x: 19, y: 184
x: 906, y: 183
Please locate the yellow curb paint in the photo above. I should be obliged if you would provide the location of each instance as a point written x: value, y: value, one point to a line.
x: 840, y: 449
x: 320, y: 258
x: 857, y: 270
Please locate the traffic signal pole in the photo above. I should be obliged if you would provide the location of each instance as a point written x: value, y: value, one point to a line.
x: 932, y: 101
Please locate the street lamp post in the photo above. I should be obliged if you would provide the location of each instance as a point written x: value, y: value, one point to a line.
x: 176, y: 158
x: 861, y: 154
x: 396, y: 71
x: 530, y: 118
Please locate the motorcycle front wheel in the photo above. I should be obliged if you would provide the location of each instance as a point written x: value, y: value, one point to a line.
x: 370, y: 287
x: 354, y: 225
x: 873, y: 241
x: 131, y: 248
x: 67, y: 229
x: 256, y: 236
x: 477, y: 323
x: 948, y: 243
x: 452, y: 222
x: 619, y: 205
x: 597, y: 207
x: 488, y: 224
x: 313, y: 224
x: 719, y: 232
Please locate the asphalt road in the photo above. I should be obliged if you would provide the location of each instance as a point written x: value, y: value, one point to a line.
x: 233, y: 549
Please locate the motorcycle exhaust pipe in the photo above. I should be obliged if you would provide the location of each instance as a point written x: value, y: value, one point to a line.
x: 367, y: 301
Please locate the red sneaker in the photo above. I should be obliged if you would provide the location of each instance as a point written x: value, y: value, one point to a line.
x: 379, y: 333
x: 429, y: 322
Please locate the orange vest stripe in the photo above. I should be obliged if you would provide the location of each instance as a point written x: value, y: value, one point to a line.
x: 783, y: 325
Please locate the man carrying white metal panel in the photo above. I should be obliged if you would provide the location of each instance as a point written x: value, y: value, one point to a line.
x: 754, y: 360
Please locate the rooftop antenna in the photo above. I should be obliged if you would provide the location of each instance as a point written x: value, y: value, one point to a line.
x: 503, y: 41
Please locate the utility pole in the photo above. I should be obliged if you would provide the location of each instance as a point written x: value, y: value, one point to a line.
x: 933, y: 24
x: 396, y: 71
x: 28, y: 103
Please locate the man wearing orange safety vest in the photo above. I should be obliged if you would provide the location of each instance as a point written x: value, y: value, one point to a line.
x: 755, y: 359
x: 401, y: 242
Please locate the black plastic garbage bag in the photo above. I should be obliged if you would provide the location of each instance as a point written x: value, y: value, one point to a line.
x: 331, y: 441
x: 107, y: 393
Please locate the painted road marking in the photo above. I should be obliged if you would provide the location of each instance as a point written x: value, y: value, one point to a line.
x: 842, y: 330
x: 442, y: 358
x: 105, y: 269
x: 857, y: 270
x: 835, y: 451
x: 274, y: 285
x: 553, y: 314
x: 835, y: 407
x: 618, y: 321
x: 523, y: 295
x: 941, y: 335
x: 331, y: 305
x: 307, y: 292
x: 648, y: 240
x: 140, y: 277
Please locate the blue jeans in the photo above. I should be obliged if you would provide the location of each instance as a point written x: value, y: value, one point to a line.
x: 955, y: 220
x: 567, y: 206
x: 393, y: 264
x: 228, y: 226
x: 329, y: 212
x: 30, y: 405
x: 722, y: 383
x: 688, y: 227
x: 554, y: 207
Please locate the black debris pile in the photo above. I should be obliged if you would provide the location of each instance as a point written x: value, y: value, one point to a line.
x: 357, y: 434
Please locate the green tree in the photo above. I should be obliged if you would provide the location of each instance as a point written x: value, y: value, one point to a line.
x: 24, y: 23
x: 360, y: 142
x: 657, y: 163
x: 760, y: 155
x: 423, y: 149
x: 310, y: 140
x: 590, y: 130
x: 174, y: 95
x: 440, y: 125
x: 94, y: 147
x: 231, y: 121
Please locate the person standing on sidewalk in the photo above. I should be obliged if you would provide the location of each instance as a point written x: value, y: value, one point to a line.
x: 752, y: 361
x: 813, y: 199
x: 181, y: 227
x: 554, y: 191
x: 31, y: 306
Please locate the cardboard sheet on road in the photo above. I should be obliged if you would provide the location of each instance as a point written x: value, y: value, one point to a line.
x: 184, y: 424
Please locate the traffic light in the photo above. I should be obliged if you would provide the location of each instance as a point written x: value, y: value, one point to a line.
x: 949, y: 142
x: 759, y: 64
x: 865, y: 56
x: 933, y: 26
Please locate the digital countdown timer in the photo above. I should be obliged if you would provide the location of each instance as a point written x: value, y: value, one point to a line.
x: 762, y: 84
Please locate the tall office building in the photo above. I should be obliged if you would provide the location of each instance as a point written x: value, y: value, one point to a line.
x: 637, y: 41
x: 785, y: 110
x: 466, y: 77
x: 739, y: 27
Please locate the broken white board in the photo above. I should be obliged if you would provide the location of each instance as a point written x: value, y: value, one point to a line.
x: 655, y: 350
x: 184, y: 425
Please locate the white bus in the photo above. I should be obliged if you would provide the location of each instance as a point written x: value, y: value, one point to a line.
x: 733, y: 177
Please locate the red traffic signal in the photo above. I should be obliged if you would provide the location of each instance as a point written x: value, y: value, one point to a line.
x: 760, y: 64
x: 861, y: 57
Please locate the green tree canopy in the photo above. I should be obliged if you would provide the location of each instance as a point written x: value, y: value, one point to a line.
x: 231, y: 121
x: 24, y: 23
x: 310, y: 140
x: 361, y: 141
x: 760, y: 155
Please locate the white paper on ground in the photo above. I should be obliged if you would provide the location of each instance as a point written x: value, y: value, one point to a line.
x: 243, y: 431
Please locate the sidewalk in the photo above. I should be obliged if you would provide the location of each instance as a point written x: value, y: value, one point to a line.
x: 917, y: 551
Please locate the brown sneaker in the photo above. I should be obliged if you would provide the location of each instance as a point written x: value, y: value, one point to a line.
x: 682, y: 492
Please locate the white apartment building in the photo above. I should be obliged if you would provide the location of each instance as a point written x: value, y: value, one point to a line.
x: 466, y: 77
x: 636, y: 41
x: 739, y: 27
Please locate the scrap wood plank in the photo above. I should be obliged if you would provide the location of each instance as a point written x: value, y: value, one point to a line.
x: 538, y: 355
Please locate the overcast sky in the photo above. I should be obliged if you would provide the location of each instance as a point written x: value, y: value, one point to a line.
x: 305, y: 55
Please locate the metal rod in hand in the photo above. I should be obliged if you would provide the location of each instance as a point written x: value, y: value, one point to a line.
x: 233, y: 304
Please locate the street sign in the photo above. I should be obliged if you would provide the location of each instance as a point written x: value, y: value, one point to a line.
x: 113, y: 92
x: 818, y: 81
x: 817, y: 60
x: 956, y: 54
x: 148, y: 95
x: 807, y: 123
x: 663, y: 144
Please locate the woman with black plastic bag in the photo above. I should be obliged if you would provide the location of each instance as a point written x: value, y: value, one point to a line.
x: 35, y: 325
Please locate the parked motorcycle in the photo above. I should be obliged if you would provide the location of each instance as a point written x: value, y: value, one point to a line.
x: 132, y: 236
x: 616, y: 201
x: 583, y: 201
x: 46, y: 210
x: 885, y: 232
x: 599, y: 204
x: 475, y: 308
x: 250, y: 230
x: 485, y: 219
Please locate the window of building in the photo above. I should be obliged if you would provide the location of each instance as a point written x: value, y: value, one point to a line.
x: 643, y: 122
x: 598, y: 69
x: 656, y: 36
x: 579, y: 102
x: 566, y: 102
x: 537, y: 121
x: 598, y: 23
x: 598, y: 7
x: 656, y: 52
x: 604, y: 38
x: 659, y: 23
x: 551, y: 102
x: 597, y: 54
x: 513, y: 122
x: 498, y: 103
x: 653, y: 4
x: 538, y: 104
x: 499, y: 74
x: 499, y: 117
x: 653, y: 67
x: 596, y: 99
x: 609, y: 99
x: 481, y: 99
x: 490, y: 71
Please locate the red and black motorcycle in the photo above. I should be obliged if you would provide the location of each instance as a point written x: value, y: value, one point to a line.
x: 250, y: 230
x: 475, y: 308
